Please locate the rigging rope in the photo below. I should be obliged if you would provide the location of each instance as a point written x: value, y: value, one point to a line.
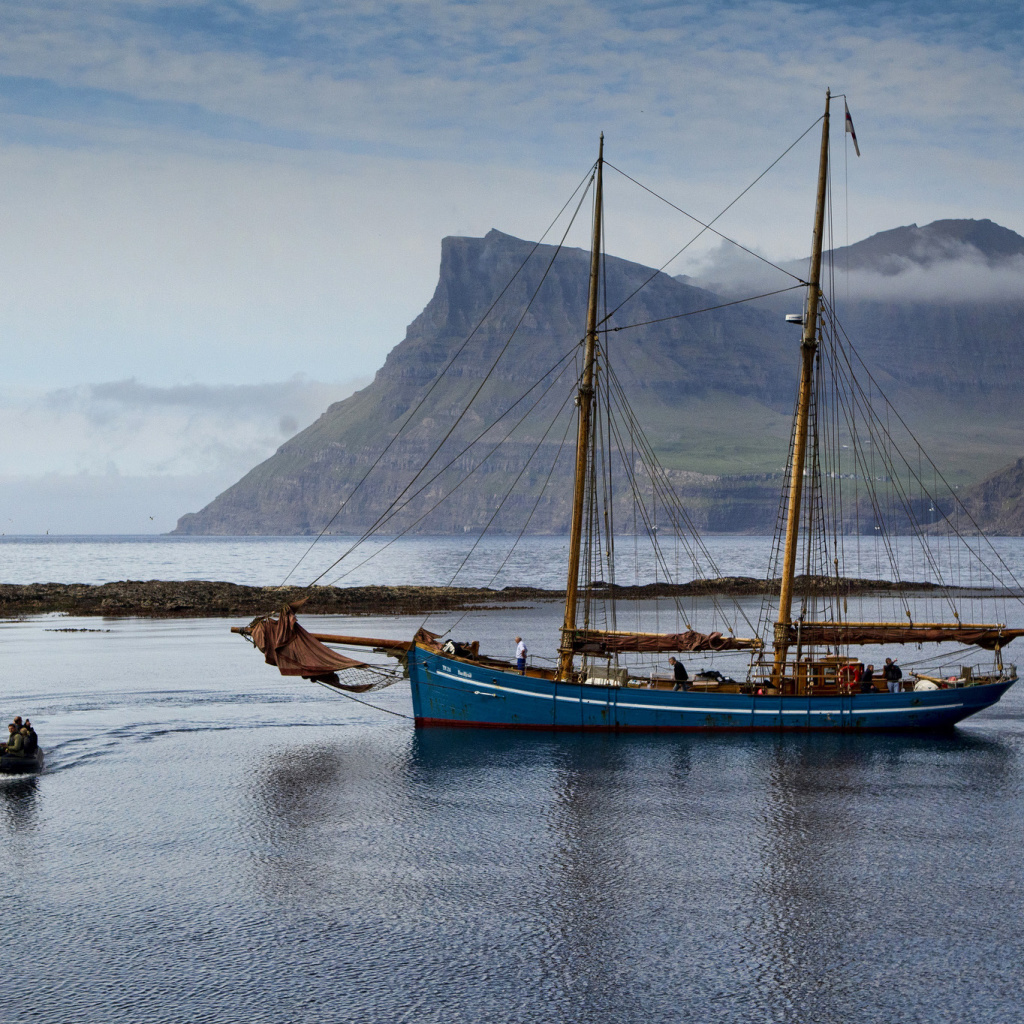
x: 519, y: 536
x: 466, y: 477
x: 958, y: 504
x: 718, y: 216
x: 372, y: 528
x: 511, y: 487
x: 365, y: 703
x: 586, y: 179
x: 706, y: 309
x: 678, y: 516
x: 397, y: 508
x: 884, y: 443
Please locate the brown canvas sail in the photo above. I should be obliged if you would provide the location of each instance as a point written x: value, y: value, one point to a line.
x: 295, y: 652
x: 607, y: 642
x: 832, y: 634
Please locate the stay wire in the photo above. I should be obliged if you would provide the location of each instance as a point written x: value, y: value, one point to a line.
x: 448, y: 494
x: 511, y: 487
x: 885, y: 445
x: 529, y: 518
x: 365, y: 703
x: 852, y: 400
x: 705, y: 309
x: 708, y: 226
x: 585, y: 180
x: 372, y: 528
x: 679, y: 517
x: 404, y: 504
x: 718, y: 216
x: 959, y: 506
x: 648, y: 518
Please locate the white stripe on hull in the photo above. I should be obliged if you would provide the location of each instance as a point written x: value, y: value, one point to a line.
x: 690, y: 708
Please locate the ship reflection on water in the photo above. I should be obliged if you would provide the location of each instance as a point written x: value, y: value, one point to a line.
x: 209, y: 842
x: 501, y: 876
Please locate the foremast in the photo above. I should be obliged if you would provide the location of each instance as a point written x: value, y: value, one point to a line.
x: 585, y: 401
x: 808, y: 352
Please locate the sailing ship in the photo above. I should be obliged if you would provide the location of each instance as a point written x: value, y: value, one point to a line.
x: 801, y: 673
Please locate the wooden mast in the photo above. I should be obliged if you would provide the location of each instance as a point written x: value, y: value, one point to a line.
x: 808, y: 350
x: 584, y: 400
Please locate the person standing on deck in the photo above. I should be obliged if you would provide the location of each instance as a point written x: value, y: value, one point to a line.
x: 679, y: 674
x: 892, y: 674
x: 520, y: 656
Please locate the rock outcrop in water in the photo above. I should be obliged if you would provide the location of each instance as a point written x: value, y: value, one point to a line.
x: 192, y: 599
x: 714, y: 392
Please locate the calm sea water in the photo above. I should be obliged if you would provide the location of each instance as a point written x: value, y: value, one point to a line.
x: 213, y: 843
x: 430, y: 561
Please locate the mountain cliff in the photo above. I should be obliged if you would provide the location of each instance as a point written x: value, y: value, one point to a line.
x: 714, y: 392
x: 893, y: 252
x: 689, y: 380
x: 997, y: 503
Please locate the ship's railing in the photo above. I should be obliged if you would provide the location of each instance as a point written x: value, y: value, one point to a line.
x: 818, y: 677
x: 957, y: 674
x: 837, y: 675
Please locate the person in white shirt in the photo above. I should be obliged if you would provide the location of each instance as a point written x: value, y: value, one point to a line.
x: 520, y: 655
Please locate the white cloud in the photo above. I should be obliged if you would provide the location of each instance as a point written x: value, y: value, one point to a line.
x: 131, y: 429
x: 235, y: 192
x: 959, y: 274
x: 957, y: 280
x: 421, y: 78
x: 88, y: 459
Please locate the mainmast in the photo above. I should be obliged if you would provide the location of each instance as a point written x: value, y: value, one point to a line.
x: 585, y: 400
x: 808, y: 350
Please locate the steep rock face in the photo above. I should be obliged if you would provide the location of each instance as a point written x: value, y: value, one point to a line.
x: 713, y: 392
x: 724, y: 360
x: 958, y: 350
x: 936, y: 311
x: 997, y: 504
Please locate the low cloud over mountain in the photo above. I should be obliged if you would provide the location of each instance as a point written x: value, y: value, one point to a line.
x: 714, y: 391
x: 946, y: 261
x: 107, y: 457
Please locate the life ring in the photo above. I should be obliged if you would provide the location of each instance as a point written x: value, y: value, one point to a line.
x: 848, y: 676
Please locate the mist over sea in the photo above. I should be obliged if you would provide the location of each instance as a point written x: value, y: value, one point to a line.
x: 211, y: 842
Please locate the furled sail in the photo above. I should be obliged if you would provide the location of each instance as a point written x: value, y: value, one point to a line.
x: 831, y: 634
x: 587, y: 641
x: 295, y: 652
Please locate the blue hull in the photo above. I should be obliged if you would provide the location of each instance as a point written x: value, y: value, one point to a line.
x: 449, y: 691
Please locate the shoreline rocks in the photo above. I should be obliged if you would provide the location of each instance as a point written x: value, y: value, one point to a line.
x: 209, y: 599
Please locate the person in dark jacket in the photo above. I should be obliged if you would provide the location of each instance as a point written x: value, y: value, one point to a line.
x: 682, y: 680
x: 892, y: 674
x: 867, y: 679
x: 31, y: 739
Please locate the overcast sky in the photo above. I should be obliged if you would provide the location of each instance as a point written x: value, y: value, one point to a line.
x: 226, y: 195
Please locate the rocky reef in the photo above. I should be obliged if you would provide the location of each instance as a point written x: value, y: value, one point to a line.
x: 206, y: 599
